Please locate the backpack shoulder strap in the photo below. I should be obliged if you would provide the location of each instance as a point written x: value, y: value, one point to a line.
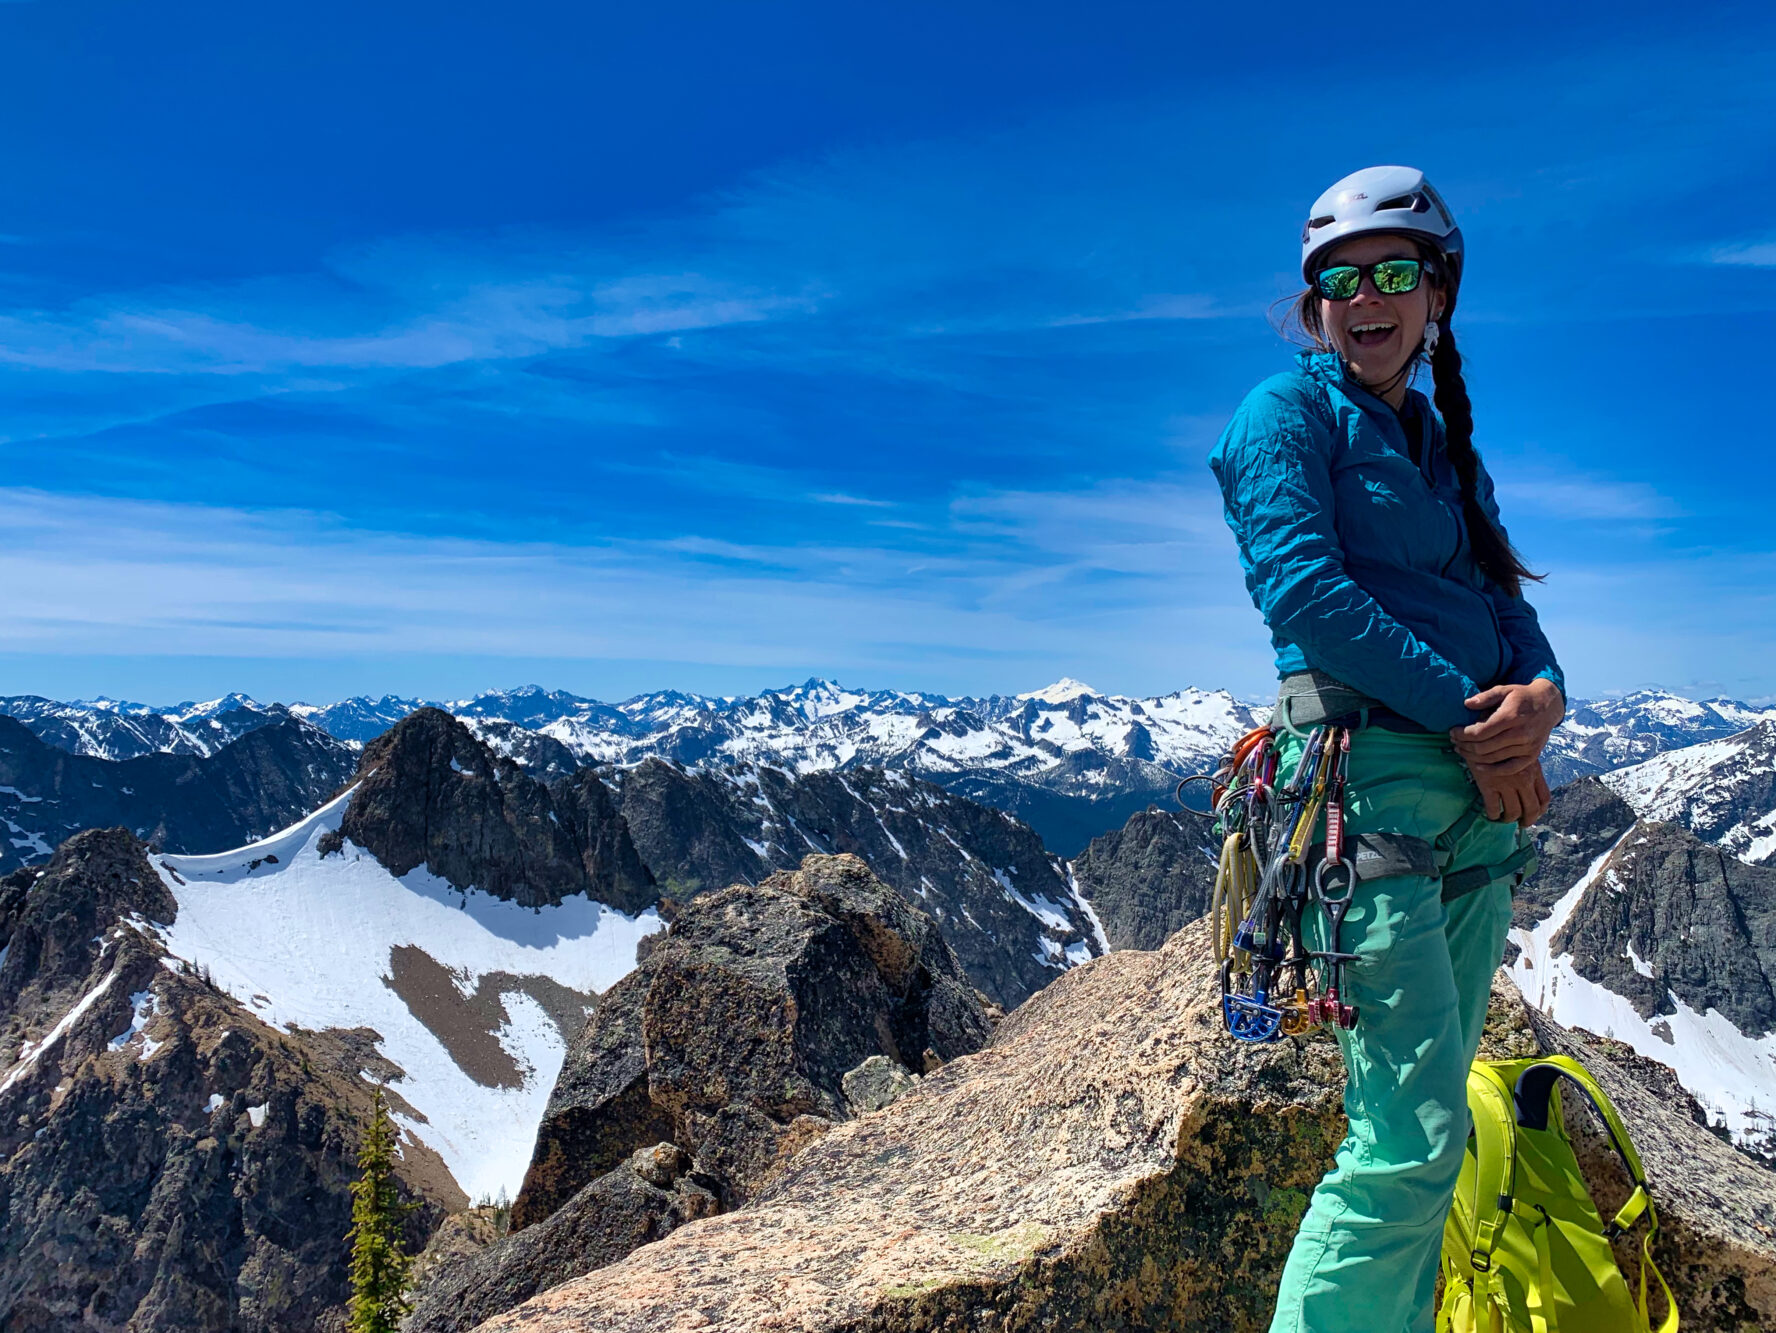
x: 1495, y: 1161
x: 1533, y: 1092
x: 1531, y: 1097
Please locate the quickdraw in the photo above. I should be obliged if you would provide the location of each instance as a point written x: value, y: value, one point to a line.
x: 1272, y: 984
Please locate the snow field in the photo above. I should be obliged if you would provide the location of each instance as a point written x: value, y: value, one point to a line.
x: 1727, y: 1071
x: 306, y: 940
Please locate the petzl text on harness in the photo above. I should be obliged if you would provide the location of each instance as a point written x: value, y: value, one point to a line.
x: 1524, y: 1249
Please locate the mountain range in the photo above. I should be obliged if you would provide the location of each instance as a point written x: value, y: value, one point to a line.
x: 236, y: 937
x: 1068, y: 760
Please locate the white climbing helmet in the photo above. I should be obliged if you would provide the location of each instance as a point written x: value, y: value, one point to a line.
x: 1390, y: 200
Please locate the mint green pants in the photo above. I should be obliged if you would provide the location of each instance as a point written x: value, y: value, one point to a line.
x: 1365, y: 1257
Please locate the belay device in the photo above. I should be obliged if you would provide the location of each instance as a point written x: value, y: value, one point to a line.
x: 1272, y: 984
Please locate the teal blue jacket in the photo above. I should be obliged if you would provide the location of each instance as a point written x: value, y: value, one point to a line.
x: 1358, y: 558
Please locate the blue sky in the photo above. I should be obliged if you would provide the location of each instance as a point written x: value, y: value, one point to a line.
x: 424, y: 349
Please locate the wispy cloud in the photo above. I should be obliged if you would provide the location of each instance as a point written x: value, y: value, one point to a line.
x: 893, y: 405
x: 464, y: 316
x: 1753, y: 254
x: 92, y: 574
x: 1568, y: 494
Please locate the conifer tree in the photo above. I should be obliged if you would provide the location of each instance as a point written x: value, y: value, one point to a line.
x: 379, y: 1264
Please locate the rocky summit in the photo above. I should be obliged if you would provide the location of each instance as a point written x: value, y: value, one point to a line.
x: 1112, y: 1161
x: 764, y: 1016
x: 167, y: 1161
x: 429, y: 793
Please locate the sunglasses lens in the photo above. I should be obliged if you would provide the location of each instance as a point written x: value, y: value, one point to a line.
x: 1394, y: 277
x: 1339, y: 283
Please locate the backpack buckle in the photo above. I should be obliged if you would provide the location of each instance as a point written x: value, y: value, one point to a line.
x: 1482, y: 1262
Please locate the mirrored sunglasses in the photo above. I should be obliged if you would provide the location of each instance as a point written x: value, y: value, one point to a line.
x: 1392, y: 277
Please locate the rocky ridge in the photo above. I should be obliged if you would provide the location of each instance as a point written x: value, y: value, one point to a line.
x: 184, y: 1164
x: 1005, y: 905
x: 1150, y: 878
x: 428, y: 793
x: 1640, y: 930
x: 766, y: 1015
x: 1670, y: 919
x: 1112, y: 1161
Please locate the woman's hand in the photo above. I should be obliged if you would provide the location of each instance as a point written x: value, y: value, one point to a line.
x: 1509, y: 740
x: 1517, y: 798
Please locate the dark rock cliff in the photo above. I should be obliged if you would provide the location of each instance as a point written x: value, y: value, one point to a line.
x: 1584, y: 820
x: 167, y: 1162
x: 429, y: 793
x: 1670, y: 914
x: 710, y: 1065
x: 1151, y: 877
x: 962, y: 862
x: 270, y: 777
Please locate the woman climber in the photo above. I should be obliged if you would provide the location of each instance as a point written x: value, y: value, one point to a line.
x: 1371, y: 543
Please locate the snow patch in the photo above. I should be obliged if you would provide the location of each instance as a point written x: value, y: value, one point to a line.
x: 308, y: 940
x: 31, y: 1052
x: 1045, y: 910
x: 1722, y: 1067
x: 145, y: 1004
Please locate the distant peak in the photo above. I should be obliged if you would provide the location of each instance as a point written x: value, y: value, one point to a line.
x: 1063, y: 690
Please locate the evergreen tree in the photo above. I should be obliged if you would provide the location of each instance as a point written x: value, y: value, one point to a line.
x: 379, y: 1264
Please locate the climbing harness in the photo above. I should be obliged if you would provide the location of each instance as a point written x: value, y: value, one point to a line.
x: 1271, y: 873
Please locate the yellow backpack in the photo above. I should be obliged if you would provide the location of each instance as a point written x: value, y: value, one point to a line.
x: 1524, y: 1250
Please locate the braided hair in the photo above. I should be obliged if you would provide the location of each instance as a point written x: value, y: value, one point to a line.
x: 1492, y: 550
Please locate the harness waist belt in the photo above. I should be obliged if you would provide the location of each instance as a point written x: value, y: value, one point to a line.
x: 1313, y: 699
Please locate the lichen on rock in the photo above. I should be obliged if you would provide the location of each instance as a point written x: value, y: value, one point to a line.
x: 1111, y: 1161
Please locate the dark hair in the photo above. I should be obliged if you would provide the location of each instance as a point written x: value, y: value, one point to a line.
x: 1493, y: 552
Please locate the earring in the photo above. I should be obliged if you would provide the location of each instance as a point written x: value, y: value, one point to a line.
x: 1433, y: 331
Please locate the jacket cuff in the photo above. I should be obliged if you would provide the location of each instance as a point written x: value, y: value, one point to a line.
x: 1445, y: 717
x: 1552, y: 673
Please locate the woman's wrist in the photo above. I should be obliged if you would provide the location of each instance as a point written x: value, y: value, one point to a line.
x: 1545, y: 689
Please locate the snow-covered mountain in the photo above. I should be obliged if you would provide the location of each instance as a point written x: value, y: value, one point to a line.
x: 1724, y: 791
x: 1638, y: 929
x: 112, y: 729
x: 358, y: 719
x: 1069, y: 760
x: 1600, y: 735
x: 474, y: 999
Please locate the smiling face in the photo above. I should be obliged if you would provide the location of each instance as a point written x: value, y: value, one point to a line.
x: 1376, y: 334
